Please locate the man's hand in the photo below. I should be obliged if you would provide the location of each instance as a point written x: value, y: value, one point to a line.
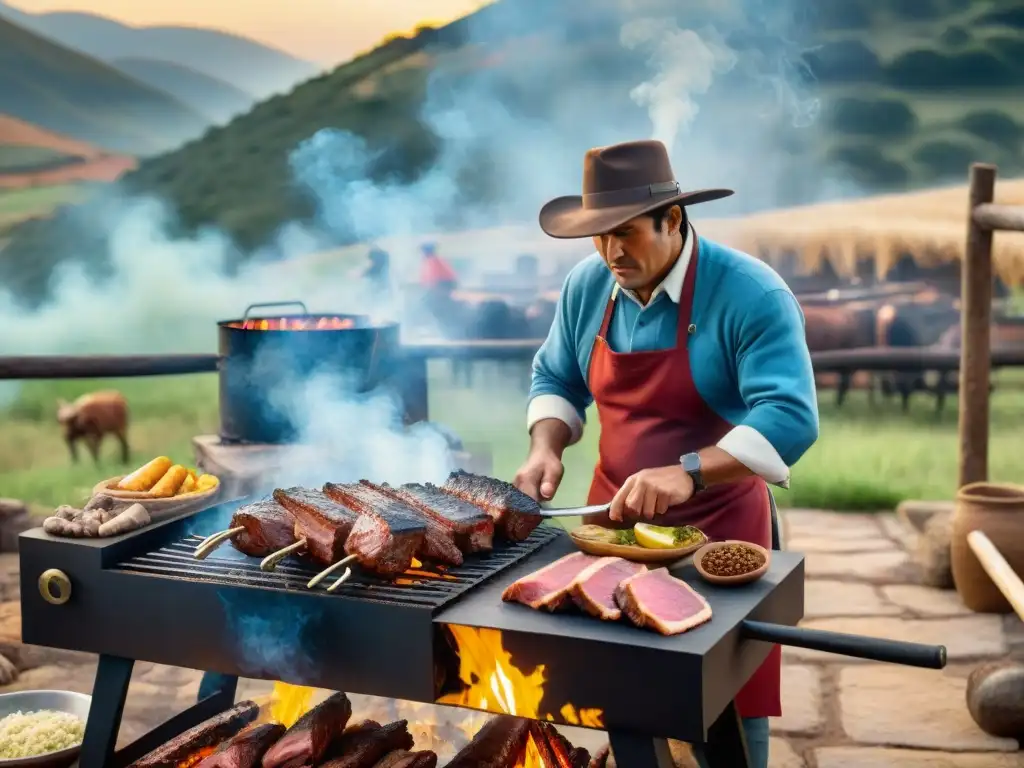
x: 540, y: 475
x: 650, y: 492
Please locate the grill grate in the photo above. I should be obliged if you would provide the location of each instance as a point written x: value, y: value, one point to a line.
x: 426, y: 587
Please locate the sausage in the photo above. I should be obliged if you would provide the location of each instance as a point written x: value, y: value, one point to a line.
x: 146, y: 476
x: 169, y: 484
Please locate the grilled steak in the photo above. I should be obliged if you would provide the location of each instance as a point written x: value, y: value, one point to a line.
x: 658, y: 600
x: 364, y: 747
x: 473, y: 528
x: 207, y: 735
x: 514, y: 513
x: 439, y: 539
x: 386, y: 536
x: 499, y: 744
x: 549, y: 587
x: 322, y: 522
x: 268, y: 528
x: 305, y: 742
x: 594, y: 589
x: 246, y: 749
x: 402, y: 758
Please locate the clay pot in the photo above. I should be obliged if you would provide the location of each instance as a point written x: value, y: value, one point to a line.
x: 997, y: 510
x: 995, y: 698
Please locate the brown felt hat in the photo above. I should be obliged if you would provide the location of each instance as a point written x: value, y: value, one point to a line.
x: 620, y: 182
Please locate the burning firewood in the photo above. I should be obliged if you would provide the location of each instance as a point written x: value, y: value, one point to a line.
x: 555, y: 749
x: 499, y: 744
x: 195, y: 744
x: 362, y: 748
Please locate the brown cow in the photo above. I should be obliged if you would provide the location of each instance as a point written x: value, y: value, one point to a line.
x: 91, y: 417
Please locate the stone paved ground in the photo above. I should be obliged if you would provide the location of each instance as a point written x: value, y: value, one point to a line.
x: 839, y: 712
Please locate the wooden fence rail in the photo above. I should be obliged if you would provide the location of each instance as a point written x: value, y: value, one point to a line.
x: 984, y: 217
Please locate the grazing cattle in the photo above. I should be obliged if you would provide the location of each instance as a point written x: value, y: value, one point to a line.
x: 91, y: 417
x: 843, y: 326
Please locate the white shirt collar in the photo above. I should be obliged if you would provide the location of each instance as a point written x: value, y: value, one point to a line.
x: 672, y: 285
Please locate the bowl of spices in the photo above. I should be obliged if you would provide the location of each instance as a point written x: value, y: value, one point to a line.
x: 731, y: 562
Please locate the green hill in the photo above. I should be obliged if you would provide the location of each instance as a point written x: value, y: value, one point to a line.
x: 485, y: 118
x: 67, y: 92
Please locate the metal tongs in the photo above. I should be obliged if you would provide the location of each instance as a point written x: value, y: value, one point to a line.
x: 593, y: 509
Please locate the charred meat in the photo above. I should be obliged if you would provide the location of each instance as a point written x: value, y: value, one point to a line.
x: 402, y: 758
x: 386, y: 536
x: 514, y: 513
x: 321, y: 521
x: 305, y: 742
x: 472, y: 526
x: 207, y: 735
x: 498, y: 744
x: 439, y: 539
x: 268, y: 528
x: 362, y: 748
x: 245, y: 750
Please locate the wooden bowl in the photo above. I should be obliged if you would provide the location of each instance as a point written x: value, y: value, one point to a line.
x: 109, y: 488
x: 743, y: 578
x: 635, y: 553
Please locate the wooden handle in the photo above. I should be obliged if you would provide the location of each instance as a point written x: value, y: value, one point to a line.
x: 998, y: 569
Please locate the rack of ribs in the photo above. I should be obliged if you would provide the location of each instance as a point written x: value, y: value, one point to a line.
x: 322, y: 522
x: 514, y: 513
x: 471, y: 526
x: 386, y: 535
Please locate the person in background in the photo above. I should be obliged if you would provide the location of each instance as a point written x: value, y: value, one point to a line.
x: 378, y: 274
x: 436, y: 274
x: 696, y: 357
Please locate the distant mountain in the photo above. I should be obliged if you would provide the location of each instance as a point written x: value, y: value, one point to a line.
x: 61, y: 90
x: 253, y: 67
x: 208, y: 95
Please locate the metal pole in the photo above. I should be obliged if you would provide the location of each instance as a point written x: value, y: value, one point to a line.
x: 975, y: 324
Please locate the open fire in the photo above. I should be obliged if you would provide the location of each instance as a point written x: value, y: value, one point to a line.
x: 492, y: 682
x: 294, y: 323
x: 442, y: 731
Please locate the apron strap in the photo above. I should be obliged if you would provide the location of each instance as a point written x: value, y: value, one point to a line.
x: 608, y: 309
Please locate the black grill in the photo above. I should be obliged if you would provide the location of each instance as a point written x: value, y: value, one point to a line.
x: 424, y: 586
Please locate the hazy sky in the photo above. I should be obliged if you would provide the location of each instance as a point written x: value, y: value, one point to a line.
x: 329, y: 31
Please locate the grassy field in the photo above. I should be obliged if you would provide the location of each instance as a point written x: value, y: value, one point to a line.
x: 16, y: 204
x: 865, y: 458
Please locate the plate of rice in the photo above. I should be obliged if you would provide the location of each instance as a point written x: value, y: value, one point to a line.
x: 42, y: 729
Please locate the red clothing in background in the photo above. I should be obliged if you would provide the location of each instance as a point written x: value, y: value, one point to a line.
x: 436, y: 271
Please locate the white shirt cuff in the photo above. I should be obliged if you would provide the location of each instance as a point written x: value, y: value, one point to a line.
x: 752, y: 449
x: 554, y: 407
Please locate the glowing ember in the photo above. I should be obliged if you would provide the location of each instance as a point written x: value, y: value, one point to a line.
x: 290, y: 702
x: 493, y: 683
x: 196, y: 757
x: 299, y: 323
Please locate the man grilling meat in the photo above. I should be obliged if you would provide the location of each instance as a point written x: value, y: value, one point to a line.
x: 695, y: 355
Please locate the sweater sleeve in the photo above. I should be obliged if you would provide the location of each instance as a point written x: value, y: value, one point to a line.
x: 775, y: 377
x: 558, y: 388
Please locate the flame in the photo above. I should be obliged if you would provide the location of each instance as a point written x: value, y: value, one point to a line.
x: 196, y: 757
x: 290, y: 702
x: 295, y: 323
x: 493, y: 683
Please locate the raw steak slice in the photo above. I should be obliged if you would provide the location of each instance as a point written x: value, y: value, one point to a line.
x: 548, y: 588
x: 594, y: 589
x: 658, y: 600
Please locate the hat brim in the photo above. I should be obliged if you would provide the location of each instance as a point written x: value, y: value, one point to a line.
x: 565, y: 218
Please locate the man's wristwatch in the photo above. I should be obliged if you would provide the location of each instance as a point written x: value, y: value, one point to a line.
x: 691, y: 465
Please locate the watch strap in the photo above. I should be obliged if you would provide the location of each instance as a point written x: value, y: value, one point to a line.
x: 691, y: 465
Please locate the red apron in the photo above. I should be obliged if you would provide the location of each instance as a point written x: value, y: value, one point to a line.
x: 651, y: 414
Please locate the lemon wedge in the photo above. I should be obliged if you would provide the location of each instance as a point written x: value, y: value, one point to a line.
x: 655, y: 536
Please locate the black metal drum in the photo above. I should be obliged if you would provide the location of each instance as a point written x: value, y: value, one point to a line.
x: 266, y: 361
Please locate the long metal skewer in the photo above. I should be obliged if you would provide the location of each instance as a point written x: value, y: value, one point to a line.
x: 270, y: 562
x: 329, y: 570
x: 211, y: 542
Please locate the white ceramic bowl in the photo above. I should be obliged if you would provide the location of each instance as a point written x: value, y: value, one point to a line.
x: 76, y: 704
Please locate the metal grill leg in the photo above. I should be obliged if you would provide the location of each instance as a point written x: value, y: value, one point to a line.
x: 108, y: 694
x: 634, y: 751
x: 216, y: 684
x: 726, y: 746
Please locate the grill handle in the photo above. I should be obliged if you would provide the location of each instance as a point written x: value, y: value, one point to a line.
x: 265, y: 304
x: 859, y: 646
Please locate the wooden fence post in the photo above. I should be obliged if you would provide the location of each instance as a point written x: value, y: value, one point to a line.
x: 975, y: 337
